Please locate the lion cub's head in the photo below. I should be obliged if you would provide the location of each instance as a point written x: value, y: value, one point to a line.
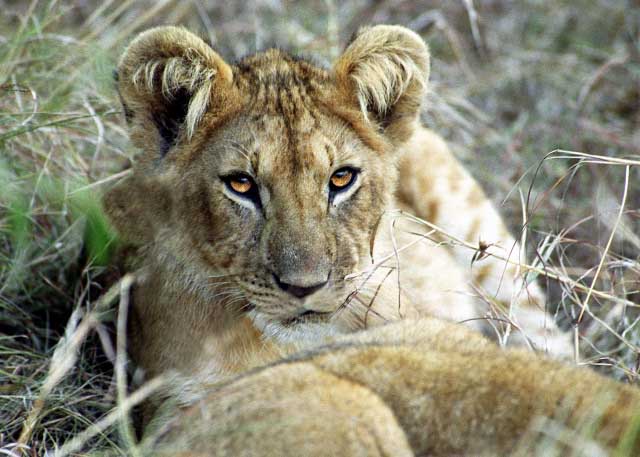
x: 260, y: 184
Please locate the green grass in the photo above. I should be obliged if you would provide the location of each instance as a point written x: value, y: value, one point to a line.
x: 537, y: 76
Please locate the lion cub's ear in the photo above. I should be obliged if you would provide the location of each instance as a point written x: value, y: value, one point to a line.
x: 167, y: 79
x: 385, y: 71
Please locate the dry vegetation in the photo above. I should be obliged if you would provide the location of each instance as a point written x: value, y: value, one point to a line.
x: 516, y: 87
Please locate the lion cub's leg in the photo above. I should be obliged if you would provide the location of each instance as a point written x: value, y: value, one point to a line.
x: 452, y: 403
x: 427, y: 387
x: 292, y: 409
x: 434, y: 186
x: 454, y: 394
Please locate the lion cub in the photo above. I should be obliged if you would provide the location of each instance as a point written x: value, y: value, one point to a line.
x: 272, y: 204
x: 267, y: 199
x: 271, y: 201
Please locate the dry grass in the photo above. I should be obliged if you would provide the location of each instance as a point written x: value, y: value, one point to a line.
x: 510, y: 84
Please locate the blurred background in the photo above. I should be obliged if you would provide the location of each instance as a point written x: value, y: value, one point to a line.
x: 512, y: 82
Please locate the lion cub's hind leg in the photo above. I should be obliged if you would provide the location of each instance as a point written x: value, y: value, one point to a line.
x: 435, y: 187
x: 293, y: 409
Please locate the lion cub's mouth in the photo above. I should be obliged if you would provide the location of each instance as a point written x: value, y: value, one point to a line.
x: 305, y: 317
x: 309, y: 316
x: 307, y: 328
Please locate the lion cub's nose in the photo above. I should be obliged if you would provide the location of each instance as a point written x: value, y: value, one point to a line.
x: 297, y: 290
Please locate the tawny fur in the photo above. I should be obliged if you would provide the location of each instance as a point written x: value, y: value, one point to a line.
x: 410, y: 388
x: 207, y: 306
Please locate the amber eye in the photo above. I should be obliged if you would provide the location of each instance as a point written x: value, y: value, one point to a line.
x: 342, y: 179
x: 243, y: 185
x: 240, y: 184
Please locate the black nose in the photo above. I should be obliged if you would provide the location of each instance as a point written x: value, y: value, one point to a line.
x: 299, y: 291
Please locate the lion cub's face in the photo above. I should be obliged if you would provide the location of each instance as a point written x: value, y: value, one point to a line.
x: 293, y: 200
x: 279, y: 206
x: 261, y: 184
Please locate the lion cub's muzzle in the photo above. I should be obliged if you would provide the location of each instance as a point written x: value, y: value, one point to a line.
x: 301, y: 290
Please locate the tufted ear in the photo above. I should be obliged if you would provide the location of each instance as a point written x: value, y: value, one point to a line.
x: 385, y: 71
x: 168, y: 78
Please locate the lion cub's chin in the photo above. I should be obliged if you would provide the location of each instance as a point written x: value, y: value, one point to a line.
x: 301, y: 334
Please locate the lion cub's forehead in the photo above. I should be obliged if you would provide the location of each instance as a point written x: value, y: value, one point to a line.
x: 284, y: 128
x: 272, y: 147
x: 279, y: 69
